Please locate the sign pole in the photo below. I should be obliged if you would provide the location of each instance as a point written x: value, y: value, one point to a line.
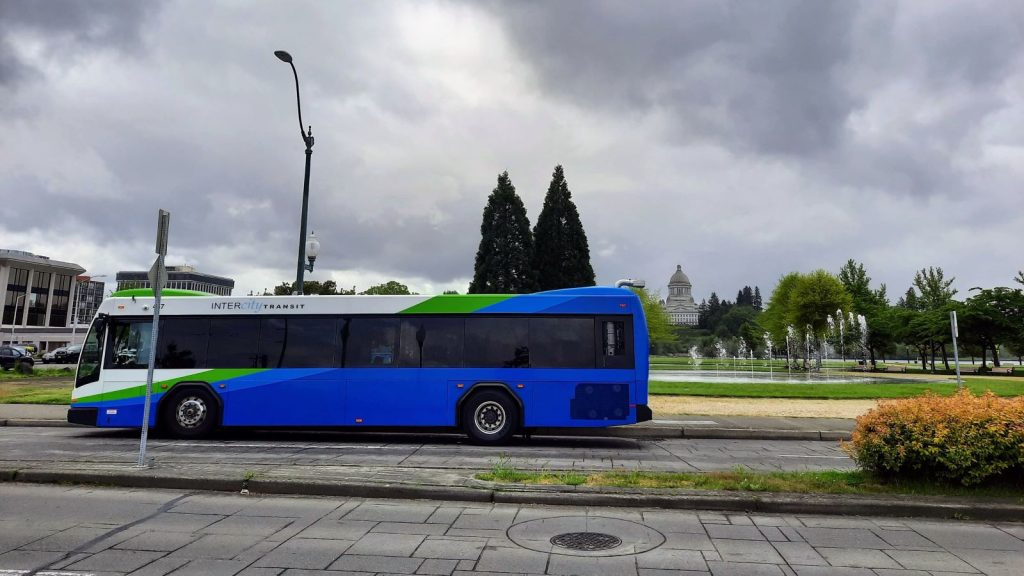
x: 157, y: 279
x: 956, y: 353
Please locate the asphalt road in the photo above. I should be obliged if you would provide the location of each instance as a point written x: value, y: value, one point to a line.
x: 49, y: 530
x: 28, y: 444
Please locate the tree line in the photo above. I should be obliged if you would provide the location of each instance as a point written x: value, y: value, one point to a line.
x: 845, y: 313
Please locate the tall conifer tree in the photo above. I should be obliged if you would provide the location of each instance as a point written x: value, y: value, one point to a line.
x: 562, y: 255
x: 503, y: 260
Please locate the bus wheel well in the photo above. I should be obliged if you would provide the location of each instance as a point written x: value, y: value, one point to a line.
x: 183, y: 387
x: 496, y: 386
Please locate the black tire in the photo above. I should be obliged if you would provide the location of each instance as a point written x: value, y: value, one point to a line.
x: 490, y: 417
x: 189, y: 413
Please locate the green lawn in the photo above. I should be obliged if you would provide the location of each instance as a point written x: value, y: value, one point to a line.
x: 34, y: 394
x: 827, y: 482
x: 820, y: 390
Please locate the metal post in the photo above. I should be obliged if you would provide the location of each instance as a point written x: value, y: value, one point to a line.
x: 157, y: 279
x: 956, y: 353
x: 301, y: 267
x: 149, y: 371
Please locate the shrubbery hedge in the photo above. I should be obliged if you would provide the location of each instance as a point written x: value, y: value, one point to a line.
x: 963, y: 438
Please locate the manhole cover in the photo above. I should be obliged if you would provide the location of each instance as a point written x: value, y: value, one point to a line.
x: 585, y: 536
x: 587, y: 541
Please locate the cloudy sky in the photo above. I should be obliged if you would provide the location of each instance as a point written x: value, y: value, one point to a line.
x: 742, y: 140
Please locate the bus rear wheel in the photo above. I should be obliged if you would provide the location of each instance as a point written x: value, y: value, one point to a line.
x: 489, y: 417
x: 190, y: 413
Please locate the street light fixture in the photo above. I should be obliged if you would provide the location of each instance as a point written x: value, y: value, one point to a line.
x: 312, y: 250
x: 307, y: 139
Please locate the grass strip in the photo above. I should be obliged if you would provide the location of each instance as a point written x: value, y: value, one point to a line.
x: 824, y: 482
x: 9, y: 375
x: 825, y: 391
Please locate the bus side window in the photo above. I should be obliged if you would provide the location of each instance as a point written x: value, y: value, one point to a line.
x: 371, y: 343
x: 614, y: 341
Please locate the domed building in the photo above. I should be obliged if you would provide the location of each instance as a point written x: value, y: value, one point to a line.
x: 680, y: 305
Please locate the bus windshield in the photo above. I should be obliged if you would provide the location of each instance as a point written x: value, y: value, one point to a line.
x: 92, y: 350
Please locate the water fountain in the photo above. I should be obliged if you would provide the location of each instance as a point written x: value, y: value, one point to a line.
x: 722, y: 353
x: 741, y: 352
x: 768, y: 352
x: 807, y: 342
x: 751, y: 362
x: 862, y: 322
x: 695, y: 357
x: 790, y: 336
x: 840, y: 319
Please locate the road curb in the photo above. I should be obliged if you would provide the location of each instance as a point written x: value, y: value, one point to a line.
x: 478, y: 491
x: 637, y: 432
x: 35, y: 422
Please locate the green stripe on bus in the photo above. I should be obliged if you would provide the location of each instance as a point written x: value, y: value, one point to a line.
x: 456, y: 303
x: 210, y: 376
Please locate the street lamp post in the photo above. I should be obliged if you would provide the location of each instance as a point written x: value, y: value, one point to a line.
x: 307, y: 138
x: 14, y: 321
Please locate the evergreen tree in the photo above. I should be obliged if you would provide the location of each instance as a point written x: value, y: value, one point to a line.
x: 503, y: 260
x: 757, y: 304
x: 561, y: 256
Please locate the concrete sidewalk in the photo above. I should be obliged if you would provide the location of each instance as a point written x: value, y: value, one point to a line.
x: 673, y: 426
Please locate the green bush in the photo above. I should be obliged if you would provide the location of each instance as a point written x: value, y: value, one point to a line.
x: 963, y: 439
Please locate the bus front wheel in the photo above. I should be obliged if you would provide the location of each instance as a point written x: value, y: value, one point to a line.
x: 489, y: 417
x: 191, y: 413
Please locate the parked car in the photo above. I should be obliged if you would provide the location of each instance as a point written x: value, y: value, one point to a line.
x: 51, y: 356
x: 13, y: 355
x: 69, y: 356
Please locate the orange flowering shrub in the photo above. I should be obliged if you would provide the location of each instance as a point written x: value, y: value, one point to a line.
x: 962, y: 438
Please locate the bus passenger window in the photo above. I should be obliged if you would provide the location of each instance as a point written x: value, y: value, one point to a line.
x: 233, y: 342
x: 183, y: 342
x: 497, y: 343
x: 297, y: 342
x: 371, y: 343
x: 432, y: 342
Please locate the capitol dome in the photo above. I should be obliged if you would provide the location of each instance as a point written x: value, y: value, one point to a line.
x: 680, y: 305
x: 679, y: 277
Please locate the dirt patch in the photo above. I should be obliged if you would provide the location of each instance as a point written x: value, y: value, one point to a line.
x: 706, y: 406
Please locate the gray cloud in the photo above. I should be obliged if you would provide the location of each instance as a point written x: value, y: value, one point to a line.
x: 68, y: 30
x: 742, y: 140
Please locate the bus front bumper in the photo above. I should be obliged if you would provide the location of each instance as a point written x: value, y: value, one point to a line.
x: 643, y: 413
x: 86, y: 416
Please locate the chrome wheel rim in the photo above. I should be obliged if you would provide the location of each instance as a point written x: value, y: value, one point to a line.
x: 191, y: 412
x: 489, y: 417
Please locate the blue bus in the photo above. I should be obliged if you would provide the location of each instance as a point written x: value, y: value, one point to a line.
x: 492, y: 365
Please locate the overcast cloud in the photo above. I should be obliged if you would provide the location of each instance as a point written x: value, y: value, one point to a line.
x: 742, y: 140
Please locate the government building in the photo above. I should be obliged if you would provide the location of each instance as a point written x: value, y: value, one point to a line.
x: 681, y: 308
x: 47, y: 303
